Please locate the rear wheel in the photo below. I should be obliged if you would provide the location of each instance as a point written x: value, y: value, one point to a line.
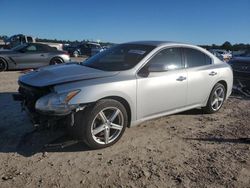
x: 56, y: 60
x: 102, y: 124
x: 3, y: 65
x: 216, y: 99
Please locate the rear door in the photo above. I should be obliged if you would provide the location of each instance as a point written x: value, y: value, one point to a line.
x: 201, y: 76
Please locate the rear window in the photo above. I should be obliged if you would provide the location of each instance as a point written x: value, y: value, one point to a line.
x: 196, y: 58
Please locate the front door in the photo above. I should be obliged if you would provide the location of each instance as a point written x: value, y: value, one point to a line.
x: 160, y: 92
x: 30, y: 57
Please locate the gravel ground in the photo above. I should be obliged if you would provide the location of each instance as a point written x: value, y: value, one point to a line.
x: 183, y: 150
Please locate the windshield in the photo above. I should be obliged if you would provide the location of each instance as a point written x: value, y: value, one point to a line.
x: 19, y: 47
x: 118, y: 58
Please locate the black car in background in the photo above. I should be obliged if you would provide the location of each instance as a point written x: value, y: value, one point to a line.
x: 241, y: 70
x: 88, y: 49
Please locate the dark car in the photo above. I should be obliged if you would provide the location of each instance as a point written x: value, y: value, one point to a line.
x: 241, y: 70
x: 88, y: 49
x: 31, y: 55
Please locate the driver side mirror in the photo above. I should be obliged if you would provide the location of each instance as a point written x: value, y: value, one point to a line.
x: 157, y: 68
x: 144, y: 72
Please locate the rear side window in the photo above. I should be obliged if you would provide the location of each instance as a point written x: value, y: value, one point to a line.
x: 196, y: 58
x: 41, y: 48
x: 170, y: 57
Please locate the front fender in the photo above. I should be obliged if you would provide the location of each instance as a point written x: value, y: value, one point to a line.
x: 94, y: 90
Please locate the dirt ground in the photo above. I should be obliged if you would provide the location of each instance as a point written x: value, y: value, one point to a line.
x: 183, y: 150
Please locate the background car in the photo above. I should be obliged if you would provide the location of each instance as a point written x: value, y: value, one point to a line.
x: 88, y: 49
x: 241, y: 70
x: 215, y: 53
x: 31, y: 55
x: 225, y: 54
x: 16, y: 40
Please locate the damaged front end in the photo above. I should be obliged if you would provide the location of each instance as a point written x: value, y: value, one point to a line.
x: 45, y: 107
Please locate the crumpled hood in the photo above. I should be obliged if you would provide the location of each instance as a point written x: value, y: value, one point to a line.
x: 58, y: 74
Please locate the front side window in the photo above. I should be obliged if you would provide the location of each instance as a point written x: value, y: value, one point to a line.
x: 171, y: 58
x: 42, y: 48
x: 196, y: 58
x: 118, y: 58
x: 31, y: 48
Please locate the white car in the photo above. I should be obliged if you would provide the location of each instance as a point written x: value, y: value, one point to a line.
x: 225, y: 54
x: 124, y: 86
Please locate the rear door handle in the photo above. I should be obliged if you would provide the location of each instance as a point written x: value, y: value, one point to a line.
x: 212, y: 73
x: 42, y: 55
x: 181, y: 78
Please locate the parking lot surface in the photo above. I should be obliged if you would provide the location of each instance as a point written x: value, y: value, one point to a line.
x: 190, y: 149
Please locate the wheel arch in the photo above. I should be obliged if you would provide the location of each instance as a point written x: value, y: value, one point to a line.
x: 221, y: 81
x: 224, y: 83
x: 125, y: 103
x: 5, y: 61
x: 56, y: 57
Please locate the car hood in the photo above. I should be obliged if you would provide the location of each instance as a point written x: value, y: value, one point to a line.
x: 239, y: 61
x: 245, y: 59
x: 58, y: 74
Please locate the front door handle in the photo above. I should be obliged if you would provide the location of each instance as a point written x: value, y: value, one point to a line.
x: 212, y: 73
x: 181, y: 78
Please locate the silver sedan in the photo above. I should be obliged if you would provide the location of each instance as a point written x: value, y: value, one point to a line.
x: 31, y: 55
x: 124, y: 86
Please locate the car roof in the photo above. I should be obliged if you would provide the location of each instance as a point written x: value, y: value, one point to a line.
x: 154, y: 43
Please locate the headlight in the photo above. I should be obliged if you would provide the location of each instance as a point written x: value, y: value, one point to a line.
x: 56, y: 103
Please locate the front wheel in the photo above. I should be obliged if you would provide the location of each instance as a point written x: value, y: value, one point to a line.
x: 102, y: 124
x: 56, y: 61
x: 216, y: 99
x: 3, y: 65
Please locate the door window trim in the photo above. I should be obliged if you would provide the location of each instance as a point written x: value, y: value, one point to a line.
x: 185, y: 57
x: 159, y: 50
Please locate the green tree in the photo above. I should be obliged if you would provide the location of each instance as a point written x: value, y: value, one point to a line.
x: 227, y: 45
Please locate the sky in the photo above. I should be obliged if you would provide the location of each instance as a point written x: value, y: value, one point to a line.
x: 192, y: 21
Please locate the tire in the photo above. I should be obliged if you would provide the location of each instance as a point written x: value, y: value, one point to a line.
x: 216, y: 99
x: 3, y: 65
x: 56, y: 60
x: 96, y: 130
x: 75, y: 54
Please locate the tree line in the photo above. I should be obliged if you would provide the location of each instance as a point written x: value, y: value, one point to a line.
x: 226, y: 45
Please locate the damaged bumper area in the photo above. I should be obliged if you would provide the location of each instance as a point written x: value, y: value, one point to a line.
x: 45, y: 107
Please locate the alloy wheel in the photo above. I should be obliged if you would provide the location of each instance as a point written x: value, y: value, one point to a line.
x: 107, y: 125
x: 56, y: 61
x: 218, y: 98
x: 2, y: 66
